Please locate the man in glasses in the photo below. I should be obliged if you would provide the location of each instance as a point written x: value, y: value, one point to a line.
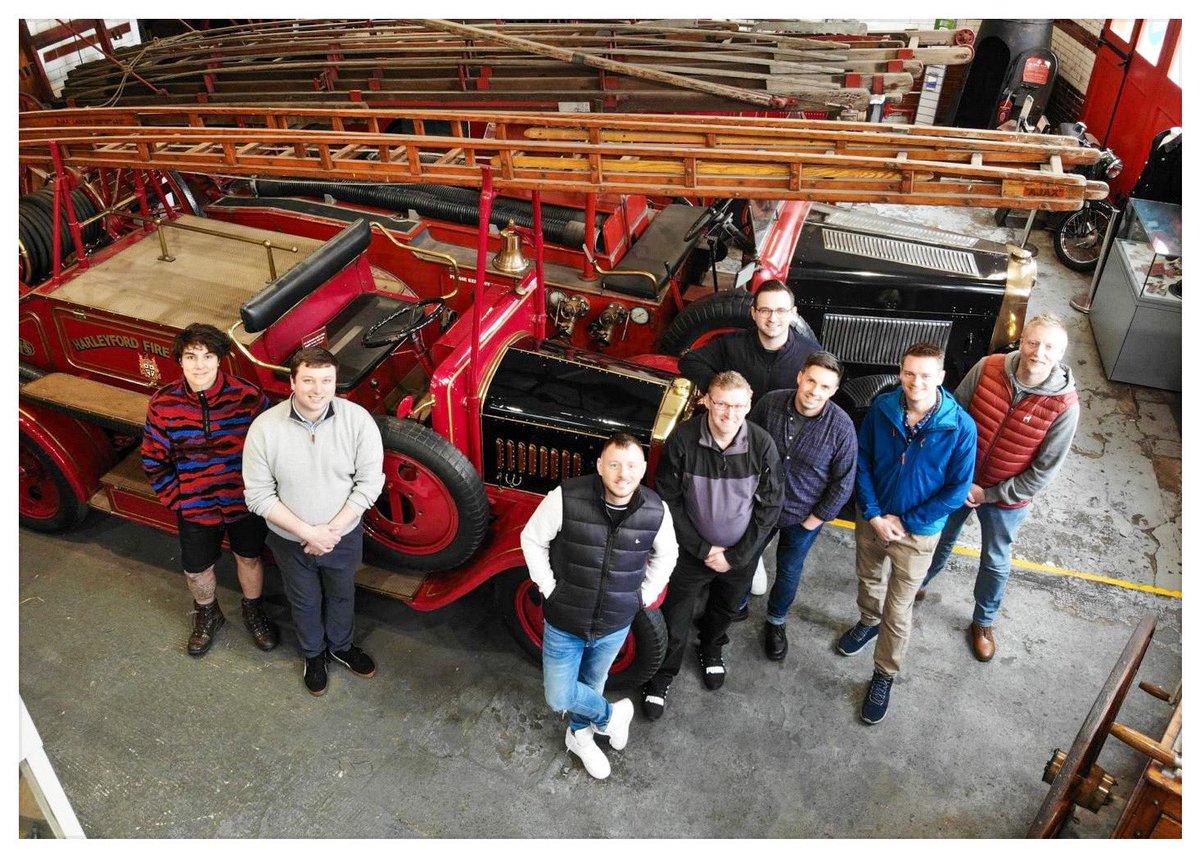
x: 769, y: 357
x: 720, y: 476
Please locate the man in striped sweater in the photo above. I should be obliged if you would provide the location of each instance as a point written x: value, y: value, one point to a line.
x: 192, y: 454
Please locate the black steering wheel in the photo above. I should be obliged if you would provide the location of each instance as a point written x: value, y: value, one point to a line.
x: 714, y: 213
x: 409, y: 319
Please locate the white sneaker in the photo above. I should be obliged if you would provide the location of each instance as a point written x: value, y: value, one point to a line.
x: 617, y: 730
x: 583, y: 745
x: 758, y: 586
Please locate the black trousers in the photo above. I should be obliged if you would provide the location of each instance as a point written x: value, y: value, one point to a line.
x: 722, y: 594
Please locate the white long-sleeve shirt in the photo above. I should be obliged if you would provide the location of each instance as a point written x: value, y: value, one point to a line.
x: 546, y: 522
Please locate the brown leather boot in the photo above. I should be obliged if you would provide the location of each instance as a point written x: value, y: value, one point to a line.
x: 208, y: 619
x: 983, y: 644
x: 262, y: 629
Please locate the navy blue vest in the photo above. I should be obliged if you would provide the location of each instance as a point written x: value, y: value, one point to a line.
x: 599, y: 567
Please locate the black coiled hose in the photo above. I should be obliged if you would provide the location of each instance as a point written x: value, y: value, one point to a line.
x: 560, y: 225
x: 35, y: 231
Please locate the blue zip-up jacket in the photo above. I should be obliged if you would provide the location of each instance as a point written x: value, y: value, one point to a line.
x: 921, y: 482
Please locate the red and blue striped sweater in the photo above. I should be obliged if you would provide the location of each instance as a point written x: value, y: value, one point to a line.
x: 192, y: 447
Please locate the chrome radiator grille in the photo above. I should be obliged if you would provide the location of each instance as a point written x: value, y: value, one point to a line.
x: 873, y: 339
x: 901, y: 252
x: 871, y: 223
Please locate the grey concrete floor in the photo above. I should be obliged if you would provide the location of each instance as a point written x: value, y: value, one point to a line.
x: 453, y: 738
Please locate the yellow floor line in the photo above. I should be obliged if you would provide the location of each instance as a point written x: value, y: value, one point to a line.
x: 1053, y: 569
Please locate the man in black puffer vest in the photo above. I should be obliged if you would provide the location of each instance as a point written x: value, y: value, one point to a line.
x: 599, y: 548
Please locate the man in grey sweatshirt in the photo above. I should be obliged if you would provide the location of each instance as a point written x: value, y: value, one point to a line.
x: 312, y: 465
x: 1026, y: 410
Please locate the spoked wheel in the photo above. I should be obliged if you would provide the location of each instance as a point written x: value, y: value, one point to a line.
x: 1079, y: 240
x: 1078, y: 771
x: 46, y: 501
x: 642, y: 653
x: 433, y: 512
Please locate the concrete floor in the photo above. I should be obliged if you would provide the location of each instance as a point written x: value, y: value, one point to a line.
x: 453, y: 738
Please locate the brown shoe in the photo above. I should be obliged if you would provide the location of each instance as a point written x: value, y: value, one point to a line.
x: 921, y: 594
x: 982, y: 642
x: 262, y: 629
x: 208, y: 619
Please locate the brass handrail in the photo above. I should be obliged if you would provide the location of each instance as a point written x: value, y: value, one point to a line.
x: 430, y: 254
x: 246, y: 351
x: 160, y: 222
x: 611, y: 273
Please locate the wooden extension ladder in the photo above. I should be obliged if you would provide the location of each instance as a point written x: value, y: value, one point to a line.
x: 712, y: 157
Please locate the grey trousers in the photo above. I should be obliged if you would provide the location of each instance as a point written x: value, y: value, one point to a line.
x: 316, y: 584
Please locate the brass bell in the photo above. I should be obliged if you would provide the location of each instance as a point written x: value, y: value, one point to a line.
x: 510, y: 260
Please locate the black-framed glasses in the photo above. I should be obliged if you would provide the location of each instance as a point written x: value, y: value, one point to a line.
x: 762, y: 310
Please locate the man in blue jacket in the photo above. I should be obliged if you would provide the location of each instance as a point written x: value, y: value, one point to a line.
x: 916, y: 460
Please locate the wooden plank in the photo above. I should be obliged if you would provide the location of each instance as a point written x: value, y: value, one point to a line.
x: 88, y: 397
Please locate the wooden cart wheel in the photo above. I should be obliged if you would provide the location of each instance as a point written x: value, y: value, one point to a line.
x: 1090, y: 740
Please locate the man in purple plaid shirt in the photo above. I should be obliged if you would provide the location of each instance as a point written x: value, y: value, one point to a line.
x: 818, y: 446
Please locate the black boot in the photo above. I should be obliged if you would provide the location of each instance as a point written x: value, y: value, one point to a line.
x: 262, y: 629
x: 208, y: 619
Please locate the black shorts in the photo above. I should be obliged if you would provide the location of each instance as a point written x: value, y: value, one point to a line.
x: 200, y: 544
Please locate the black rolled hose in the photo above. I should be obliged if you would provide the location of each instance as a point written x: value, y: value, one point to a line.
x: 561, y: 225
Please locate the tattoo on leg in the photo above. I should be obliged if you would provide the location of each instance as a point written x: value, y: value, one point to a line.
x: 203, y: 585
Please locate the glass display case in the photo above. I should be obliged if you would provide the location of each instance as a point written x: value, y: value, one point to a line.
x: 1137, y: 311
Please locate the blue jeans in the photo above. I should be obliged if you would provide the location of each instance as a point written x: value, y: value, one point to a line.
x: 574, y: 671
x: 794, y: 544
x: 998, y: 528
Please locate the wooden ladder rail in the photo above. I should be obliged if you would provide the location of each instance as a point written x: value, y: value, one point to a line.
x: 619, y: 154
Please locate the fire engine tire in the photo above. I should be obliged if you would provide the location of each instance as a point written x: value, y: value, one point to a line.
x: 520, y: 603
x: 46, y: 501
x: 433, y: 512
x: 712, y: 315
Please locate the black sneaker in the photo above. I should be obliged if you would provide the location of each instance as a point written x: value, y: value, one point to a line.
x: 316, y: 677
x: 654, y: 697
x: 743, y: 612
x: 852, y: 641
x: 875, y: 705
x: 712, y: 669
x: 355, y: 660
x: 776, y: 642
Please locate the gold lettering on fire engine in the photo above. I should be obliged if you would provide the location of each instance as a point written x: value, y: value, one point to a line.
x: 117, y: 340
x: 104, y: 340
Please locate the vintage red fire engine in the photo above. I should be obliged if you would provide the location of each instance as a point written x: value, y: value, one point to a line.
x: 468, y: 356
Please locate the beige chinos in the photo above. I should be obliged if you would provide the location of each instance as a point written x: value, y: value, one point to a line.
x: 887, y: 599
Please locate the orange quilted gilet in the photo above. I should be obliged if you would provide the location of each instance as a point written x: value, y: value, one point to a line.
x: 1009, y: 435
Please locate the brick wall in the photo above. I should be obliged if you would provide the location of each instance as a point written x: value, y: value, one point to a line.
x: 1075, y: 43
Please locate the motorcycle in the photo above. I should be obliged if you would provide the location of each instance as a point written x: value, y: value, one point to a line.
x: 1078, y: 235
